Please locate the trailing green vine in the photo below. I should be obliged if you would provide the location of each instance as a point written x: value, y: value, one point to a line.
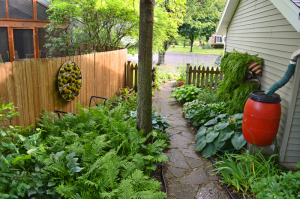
x: 234, y: 89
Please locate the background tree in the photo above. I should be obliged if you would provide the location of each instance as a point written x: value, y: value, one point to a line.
x: 189, y: 32
x: 103, y: 23
x: 164, y: 35
x: 204, y: 15
x: 144, y: 101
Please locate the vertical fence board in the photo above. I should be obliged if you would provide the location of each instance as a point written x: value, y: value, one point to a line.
x: 30, y: 93
x: 51, y: 81
x: 17, y: 70
x: 65, y: 105
x: 84, y: 79
x: 56, y: 97
x: 136, y: 78
x: 3, y: 85
x: 10, y: 87
x: 206, y: 76
x: 112, y: 71
x: 211, y: 78
x: 81, y: 93
x: 216, y: 79
x: 41, y: 86
x: 89, y: 79
x: 194, y: 75
x: 198, y: 77
x: 24, y: 88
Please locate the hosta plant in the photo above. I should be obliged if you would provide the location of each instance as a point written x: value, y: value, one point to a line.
x: 199, y: 113
x: 186, y: 93
x: 219, y: 133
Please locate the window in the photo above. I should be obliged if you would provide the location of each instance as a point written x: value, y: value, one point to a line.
x: 20, y: 9
x: 41, y: 12
x: 219, y: 39
x: 4, y: 50
x: 3, y: 13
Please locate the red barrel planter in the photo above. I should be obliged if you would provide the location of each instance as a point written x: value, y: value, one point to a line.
x: 261, y: 118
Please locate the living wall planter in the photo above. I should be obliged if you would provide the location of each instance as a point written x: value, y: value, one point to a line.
x: 69, y: 80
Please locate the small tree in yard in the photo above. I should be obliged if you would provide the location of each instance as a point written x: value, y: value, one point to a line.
x: 144, y: 101
x: 189, y: 32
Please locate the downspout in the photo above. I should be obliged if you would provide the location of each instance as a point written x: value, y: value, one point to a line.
x: 287, y: 76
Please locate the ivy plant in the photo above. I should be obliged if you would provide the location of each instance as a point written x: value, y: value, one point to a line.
x: 219, y: 133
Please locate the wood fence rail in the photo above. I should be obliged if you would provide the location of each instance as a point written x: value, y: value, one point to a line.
x: 203, y: 78
x: 32, y: 84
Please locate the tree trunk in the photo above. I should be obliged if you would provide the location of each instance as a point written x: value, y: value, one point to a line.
x: 184, y: 44
x: 144, y: 101
x: 192, y: 43
x: 161, y: 55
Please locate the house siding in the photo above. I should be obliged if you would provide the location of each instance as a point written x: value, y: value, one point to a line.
x: 258, y: 27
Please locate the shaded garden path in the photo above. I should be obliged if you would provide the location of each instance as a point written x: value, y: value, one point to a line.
x: 187, y: 174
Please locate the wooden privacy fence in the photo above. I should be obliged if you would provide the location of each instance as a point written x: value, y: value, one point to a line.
x: 203, y: 78
x: 131, y: 74
x: 32, y: 84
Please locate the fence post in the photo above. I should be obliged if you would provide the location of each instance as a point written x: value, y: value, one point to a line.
x: 187, y: 80
x: 127, y: 72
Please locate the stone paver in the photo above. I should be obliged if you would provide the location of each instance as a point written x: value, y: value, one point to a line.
x: 187, y: 173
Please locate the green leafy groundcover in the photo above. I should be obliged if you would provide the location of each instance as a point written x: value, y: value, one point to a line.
x: 199, y: 112
x: 95, y: 154
x: 186, y: 93
x: 219, y: 133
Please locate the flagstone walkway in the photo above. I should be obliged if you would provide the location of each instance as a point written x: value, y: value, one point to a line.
x: 187, y: 174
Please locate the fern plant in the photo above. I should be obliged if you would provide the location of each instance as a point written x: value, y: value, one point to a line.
x: 101, y: 155
x: 234, y: 87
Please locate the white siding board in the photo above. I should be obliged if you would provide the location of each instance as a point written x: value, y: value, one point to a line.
x: 281, y: 22
x: 259, y: 20
x: 293, y: 154
x: 292, y: 159
x: 293, y: 147
x: 266, y: 14
x: 295, y: 134
x: 289, y: 42
x: 257, y: 11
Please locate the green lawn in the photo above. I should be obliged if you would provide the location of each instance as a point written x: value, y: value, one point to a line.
x: 181, y: 49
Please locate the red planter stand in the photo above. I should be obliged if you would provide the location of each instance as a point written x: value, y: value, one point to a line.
x: 261, y: 118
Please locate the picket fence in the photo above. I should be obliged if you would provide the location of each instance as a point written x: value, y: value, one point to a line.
x: 31, y: 85
x: 206, y: 78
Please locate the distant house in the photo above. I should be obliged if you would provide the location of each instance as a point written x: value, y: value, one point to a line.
x: 215, y: 39
x: 22, y: 29
x: 270, y: 28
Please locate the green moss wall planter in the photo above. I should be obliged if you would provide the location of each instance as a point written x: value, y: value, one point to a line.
x: 69, y: 80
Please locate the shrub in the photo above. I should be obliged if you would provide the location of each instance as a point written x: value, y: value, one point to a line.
x: 217, y: 44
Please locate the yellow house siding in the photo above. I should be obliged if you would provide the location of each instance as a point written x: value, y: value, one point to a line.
x: 258, y: 27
